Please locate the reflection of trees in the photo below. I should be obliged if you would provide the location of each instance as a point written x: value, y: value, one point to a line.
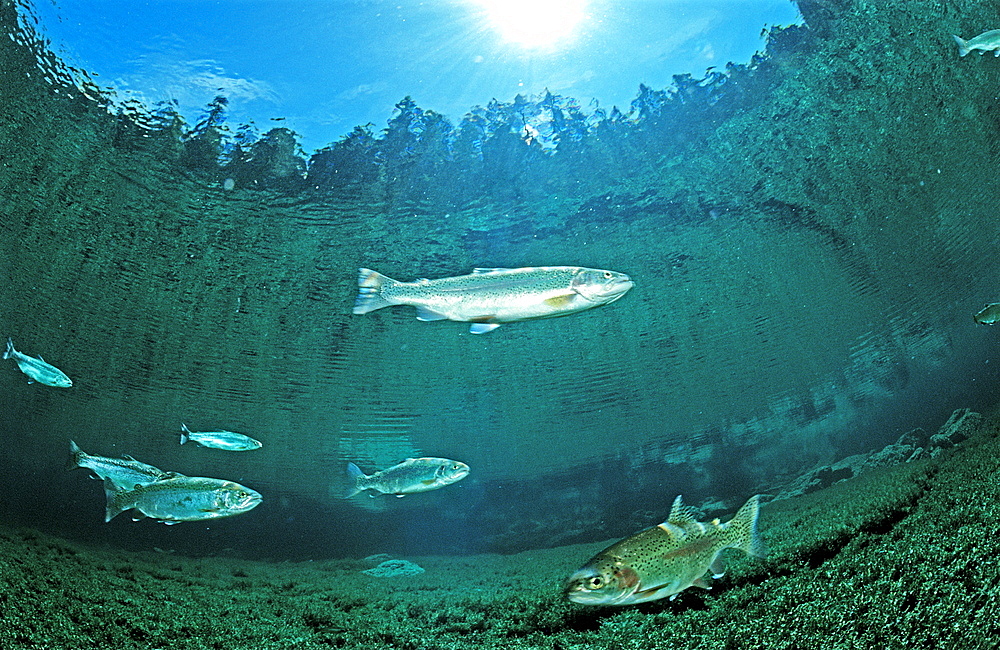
x: 505, y: 153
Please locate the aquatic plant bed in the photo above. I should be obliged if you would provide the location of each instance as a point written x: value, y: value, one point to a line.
x: 893, y: 558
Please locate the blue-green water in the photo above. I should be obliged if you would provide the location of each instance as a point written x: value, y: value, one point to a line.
x: 809, y: 235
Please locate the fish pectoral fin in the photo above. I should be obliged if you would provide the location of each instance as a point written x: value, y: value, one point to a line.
x: 702, y: 582
x: 482, y: 328
x: 425, y: 314
x: 170, y: 523
x: 400, y: 496
x: 428, y: 481
x: 562, y: 301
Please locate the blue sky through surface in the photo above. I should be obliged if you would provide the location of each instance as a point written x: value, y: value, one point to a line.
x: 327, y: 66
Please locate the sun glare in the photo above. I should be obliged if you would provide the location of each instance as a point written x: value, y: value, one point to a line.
x: 534, y: 24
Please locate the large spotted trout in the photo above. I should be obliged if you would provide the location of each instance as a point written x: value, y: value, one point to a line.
x: 489, y: 297
x: 665, y: 560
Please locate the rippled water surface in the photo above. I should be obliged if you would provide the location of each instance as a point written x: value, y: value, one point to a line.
x: 804, y: 290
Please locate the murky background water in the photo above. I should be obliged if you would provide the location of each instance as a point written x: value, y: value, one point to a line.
x: 806, y: 274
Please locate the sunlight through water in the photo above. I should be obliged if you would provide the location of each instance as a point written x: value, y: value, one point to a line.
x: 535, y: 24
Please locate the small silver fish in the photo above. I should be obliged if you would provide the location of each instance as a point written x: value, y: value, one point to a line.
x: 489, y: 297
x: 184, y: 498
x: 37, y: 369
x: 987, y: 41
x: 227, y: 440
x: 410, y: 476
x: 988, y: 315
x: 665, y: 560
x: 125, y: 473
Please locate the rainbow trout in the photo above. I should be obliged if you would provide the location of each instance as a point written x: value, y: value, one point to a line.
x: 125, y: 473
x: 410, y: 476
x: 182, y: 498
x: 489, y: 297
x: 37, y: 369
x: 665, y: 560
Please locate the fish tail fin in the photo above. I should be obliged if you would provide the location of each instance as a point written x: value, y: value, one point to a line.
x: 963, y: 46
x: 369, y: 285
x: 743, y: 533
x: 184, y: 433
x: 9, y: 352
x: 75, y: 453
x: 354, y: 476
x: 114, y: 508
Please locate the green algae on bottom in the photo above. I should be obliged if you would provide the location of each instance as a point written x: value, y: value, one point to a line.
x: 897, y: 557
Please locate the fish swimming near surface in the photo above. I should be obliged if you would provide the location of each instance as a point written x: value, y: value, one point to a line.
x: 183, y: 498
x: 125, y: 473
x: 488, y: 298
x: 988, y: 315
x: 665, y: 560
x: 987, y: 41
x: 410, y: 476
x: 37, y: 369
x: 227, y: 440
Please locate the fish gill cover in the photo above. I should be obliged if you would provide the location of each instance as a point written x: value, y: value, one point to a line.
x: 809, y: 234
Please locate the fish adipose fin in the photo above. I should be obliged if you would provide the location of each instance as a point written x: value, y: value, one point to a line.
x: 354, y: 473
x: 369, y: 298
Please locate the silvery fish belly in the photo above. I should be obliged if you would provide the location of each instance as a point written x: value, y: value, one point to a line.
x: 37, y: 369
x: 125, y: 473
x: 227, y: 440
x: 411, y: 476
x: 665, y: 560
x: 489, y: 297
x: 185, y: 498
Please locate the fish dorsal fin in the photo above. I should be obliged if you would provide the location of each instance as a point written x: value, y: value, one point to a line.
x: 676, y: 532
x: 127, y: 457
x: 680, y: 514
x: 482, y: 270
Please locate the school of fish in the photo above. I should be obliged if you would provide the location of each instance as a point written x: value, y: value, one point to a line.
x: 653, y: 564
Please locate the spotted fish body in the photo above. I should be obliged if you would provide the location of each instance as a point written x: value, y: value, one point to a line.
x: 37, y: 369
x: 665, y: 560
x: 489, y: 297
x: 125, y: 473
x: 184, y: 498
x: 411, y: 476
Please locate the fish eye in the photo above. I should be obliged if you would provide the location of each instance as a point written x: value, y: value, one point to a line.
x: 596, y: 582
x: 608, y: 275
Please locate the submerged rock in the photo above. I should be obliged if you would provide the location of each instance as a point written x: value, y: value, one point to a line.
x: 394, y: 569
x: 912, y: 445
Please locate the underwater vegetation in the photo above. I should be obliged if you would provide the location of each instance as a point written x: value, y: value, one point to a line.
x: 892, y: 558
